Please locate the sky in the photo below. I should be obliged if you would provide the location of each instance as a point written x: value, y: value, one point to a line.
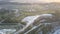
x: 32, y: 1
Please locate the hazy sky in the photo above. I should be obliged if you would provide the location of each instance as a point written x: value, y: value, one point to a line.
x: 33, y: 1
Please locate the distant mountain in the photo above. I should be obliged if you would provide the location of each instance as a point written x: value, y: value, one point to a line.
x: 16, y: 3
x: 50, y: 6
x: 4, y: 3
x: 13, y: 3
x: 42, y: 6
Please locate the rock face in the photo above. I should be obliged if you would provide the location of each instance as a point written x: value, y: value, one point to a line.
x: 35, y: 20
x: 53, y: 28
x: 57, y: 31
x: 31, y: 19
x: 44, y: 18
